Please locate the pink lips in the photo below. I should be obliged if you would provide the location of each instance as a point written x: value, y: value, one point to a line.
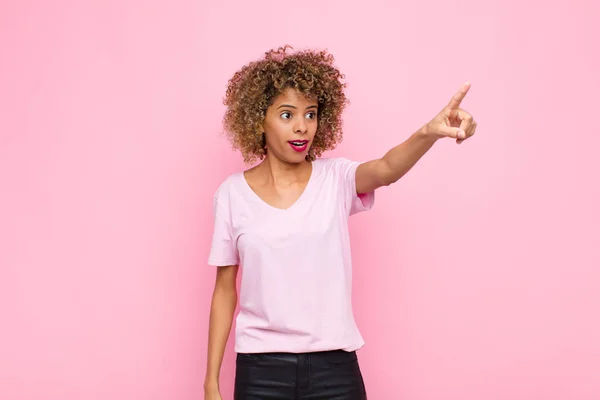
x: 298, y: 145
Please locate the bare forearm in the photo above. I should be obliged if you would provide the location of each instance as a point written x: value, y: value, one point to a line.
x: 221, y: 317
x: 400, y: 159
x: 452, y: 122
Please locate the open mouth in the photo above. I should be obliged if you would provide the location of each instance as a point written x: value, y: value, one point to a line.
x: 299, y: 145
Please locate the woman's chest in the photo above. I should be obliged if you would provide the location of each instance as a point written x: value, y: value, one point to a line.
x: 303, y: 224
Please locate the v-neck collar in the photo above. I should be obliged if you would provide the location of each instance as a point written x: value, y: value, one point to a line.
x: 296, y: 203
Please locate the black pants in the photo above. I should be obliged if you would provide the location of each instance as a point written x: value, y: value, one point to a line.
x: 328, y: 375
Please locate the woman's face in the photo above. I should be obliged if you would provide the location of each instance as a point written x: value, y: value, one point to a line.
x: 290, y: 126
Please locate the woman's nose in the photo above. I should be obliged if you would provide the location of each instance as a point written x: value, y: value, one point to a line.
x: 300, y: 127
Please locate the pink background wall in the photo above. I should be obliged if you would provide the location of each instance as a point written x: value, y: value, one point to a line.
x: 477, y: 275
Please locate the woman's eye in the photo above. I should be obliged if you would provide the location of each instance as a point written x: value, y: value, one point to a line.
x: 312, y: 115
x: 286, y: 115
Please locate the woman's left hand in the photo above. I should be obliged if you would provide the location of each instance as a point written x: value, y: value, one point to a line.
x: 452, y: 121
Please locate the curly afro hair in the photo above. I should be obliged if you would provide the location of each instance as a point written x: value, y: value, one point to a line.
x: 254, y: 87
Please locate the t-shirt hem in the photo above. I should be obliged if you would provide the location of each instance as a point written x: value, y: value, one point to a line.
x: 296, y: 350
x: 215, y: 262
x: 367, y: 200
x: 361, y: 202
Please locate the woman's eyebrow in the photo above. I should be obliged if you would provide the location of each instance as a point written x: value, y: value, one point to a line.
x: 291, y: 106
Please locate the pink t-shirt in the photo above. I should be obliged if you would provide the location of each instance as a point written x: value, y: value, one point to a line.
x: 296, y: 282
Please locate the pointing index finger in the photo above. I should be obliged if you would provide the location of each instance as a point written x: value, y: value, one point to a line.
x: 459, y: 96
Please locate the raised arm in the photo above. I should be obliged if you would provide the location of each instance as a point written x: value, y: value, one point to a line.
x: 452, y: 122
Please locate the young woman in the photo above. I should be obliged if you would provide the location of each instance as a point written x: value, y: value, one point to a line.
x: 285, y: 221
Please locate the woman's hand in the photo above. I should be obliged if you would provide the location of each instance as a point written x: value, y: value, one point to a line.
x: 212, y: 394
x: 452, y: 121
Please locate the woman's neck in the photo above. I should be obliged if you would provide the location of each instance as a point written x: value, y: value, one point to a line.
x: 278, y: 171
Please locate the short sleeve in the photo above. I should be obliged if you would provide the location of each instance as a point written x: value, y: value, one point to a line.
x: 355, y: 202
x: 223, y: 250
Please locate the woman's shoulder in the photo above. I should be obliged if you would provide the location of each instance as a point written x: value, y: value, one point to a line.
x: 332, y: 164
x: 230, y: 184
